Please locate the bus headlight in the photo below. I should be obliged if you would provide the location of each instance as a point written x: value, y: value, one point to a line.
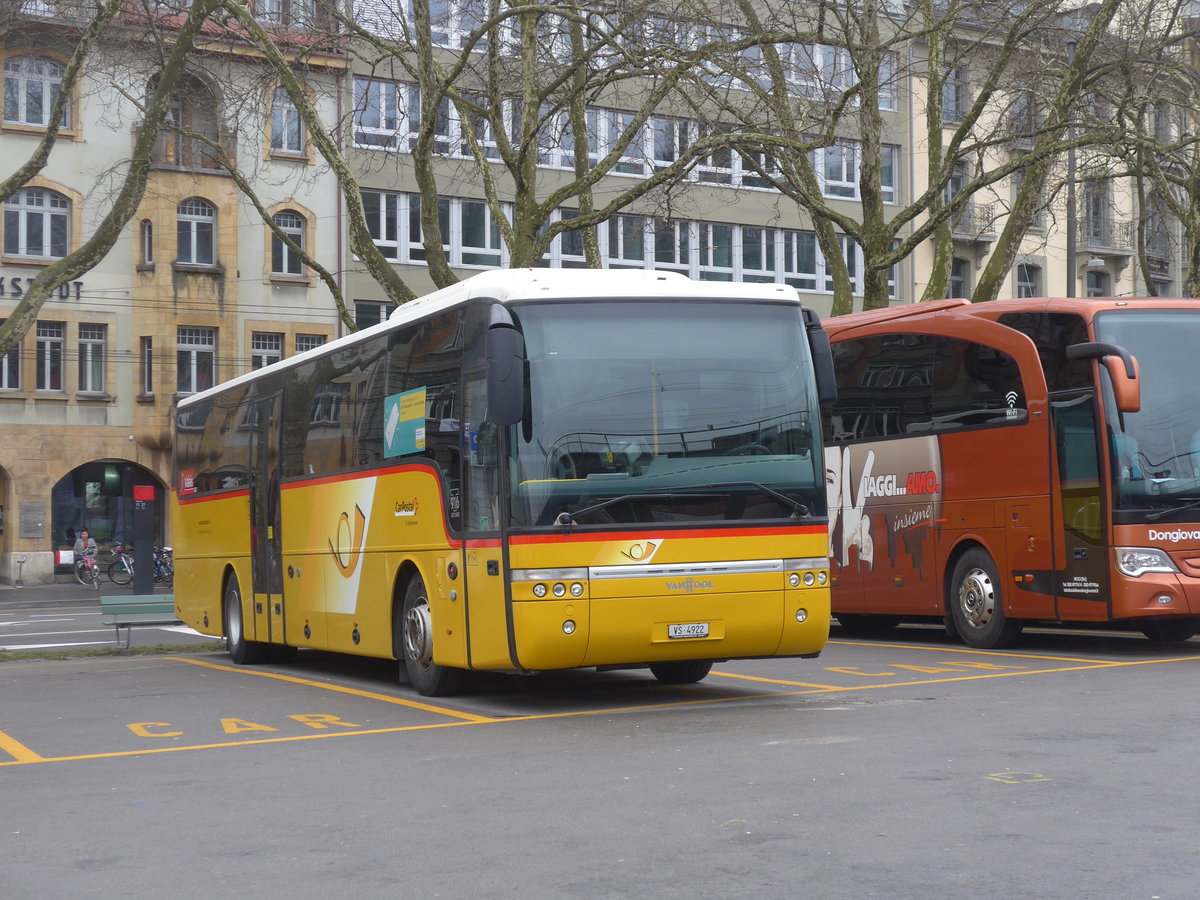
x: 1138, y: 561
x: 802, y: 616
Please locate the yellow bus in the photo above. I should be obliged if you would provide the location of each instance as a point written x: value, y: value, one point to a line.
x: 529, y: 470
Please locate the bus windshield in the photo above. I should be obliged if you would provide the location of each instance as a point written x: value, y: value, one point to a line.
x: 1156, y: 455
x: 666, y: 412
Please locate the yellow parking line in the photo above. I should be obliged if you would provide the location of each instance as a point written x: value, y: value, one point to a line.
x: 18, y: 751
x: 804, y: 684
x: 939, y: 648
x: 370, y: 695
x: 279, y: 740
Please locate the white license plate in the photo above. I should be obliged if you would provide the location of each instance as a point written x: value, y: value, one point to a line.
x: 688, y: 630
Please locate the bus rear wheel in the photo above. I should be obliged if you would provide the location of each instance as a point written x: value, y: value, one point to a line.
x: 688, y: 672
x: 977, y: 603
x: 241, y: 651
x: 413, y: 637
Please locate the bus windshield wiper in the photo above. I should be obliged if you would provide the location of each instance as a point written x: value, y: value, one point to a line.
x: 571, y: 518
x: 1193, y: 503
x: 798, y: 508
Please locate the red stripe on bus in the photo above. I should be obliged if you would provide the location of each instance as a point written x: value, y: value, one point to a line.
x: 723, y: 532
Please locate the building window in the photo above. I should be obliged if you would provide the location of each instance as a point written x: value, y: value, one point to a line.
x: 37, y: 223
x: 196, y: 358
x: 1096, y: 219
x: 479, y: 234
x: 958, y: 278
x: 626, y: 242
x: 371, y: 312
x: 1097, y: 284
x: 196, y: 224
x: 190, y: 136
x: 91, y: 358
x: 716, y: 252
x: 887, y: 82
x: 889, y: 171
x: 1029, y: 280
x: 147, y: 237
x: 10, y: 368
x: 285, y: 13
x: 50, y: 341
x: 758, y: 254
x: 284, y: 260
x: 382, y: 110
x: 839, y: 170
x: 954, y: 95
x: 672, y: 245
x: 265, y: 348
x: 146, y: 361
x: 287, y: 128
x: 305, y: 342
x: 31, y: 85
x: 800, y: 260
x: 959, y: 176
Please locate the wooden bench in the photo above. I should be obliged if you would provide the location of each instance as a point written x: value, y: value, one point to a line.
x: 130, y: 610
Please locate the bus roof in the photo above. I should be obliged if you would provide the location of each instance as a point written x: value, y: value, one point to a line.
x: 511, y: 285
x: 508, y: 285
x: 993, y: 309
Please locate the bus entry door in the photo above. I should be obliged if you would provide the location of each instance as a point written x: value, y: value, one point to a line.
x: 266, y: 559
x: 1081, y: 588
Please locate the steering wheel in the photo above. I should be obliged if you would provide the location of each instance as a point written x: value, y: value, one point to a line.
x: 564, y: 466
x: 752, y: 449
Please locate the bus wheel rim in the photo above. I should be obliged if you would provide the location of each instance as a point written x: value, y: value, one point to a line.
x: 235, y: 619
x: 977, y: 598
x: 418, y: 634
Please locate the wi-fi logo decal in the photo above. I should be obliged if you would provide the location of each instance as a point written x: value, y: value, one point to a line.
x: 1011, y: 399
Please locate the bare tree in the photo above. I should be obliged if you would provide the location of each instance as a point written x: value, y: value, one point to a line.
x: 132, y: 187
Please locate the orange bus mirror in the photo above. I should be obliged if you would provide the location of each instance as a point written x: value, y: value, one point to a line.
x: 1122, y: 370
x: 1127, y: 391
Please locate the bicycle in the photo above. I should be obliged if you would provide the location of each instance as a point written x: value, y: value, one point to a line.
x: 164, y: 566
x: 87, y: 572
x: 120, y: 571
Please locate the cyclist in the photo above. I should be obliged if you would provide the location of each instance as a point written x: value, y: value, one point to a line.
x: 85, y: 544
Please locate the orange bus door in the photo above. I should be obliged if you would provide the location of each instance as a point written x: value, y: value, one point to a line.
x: 1081, y: 582
x: 266, y: 560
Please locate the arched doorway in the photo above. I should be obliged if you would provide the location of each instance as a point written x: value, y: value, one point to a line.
x: 98, y: 496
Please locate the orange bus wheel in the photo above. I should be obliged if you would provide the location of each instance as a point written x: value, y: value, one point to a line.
x: 977, y: 603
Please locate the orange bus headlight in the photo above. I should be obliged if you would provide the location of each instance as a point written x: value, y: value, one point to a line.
x: 1138, y: 561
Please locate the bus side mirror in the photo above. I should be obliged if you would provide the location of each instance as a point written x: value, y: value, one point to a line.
x: 505, y: 375
x: 1122, y: 371
x: 822, y: 357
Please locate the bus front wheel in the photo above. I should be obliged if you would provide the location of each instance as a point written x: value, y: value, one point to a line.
x: 1171, y: 631
x: 977, y: 603
x: 681, y: 672
x: 414, y: 644
x: 242, y: 651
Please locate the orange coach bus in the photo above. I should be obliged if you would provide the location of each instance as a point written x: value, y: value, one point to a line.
x: 1034, y: 460
x: 529, y: 470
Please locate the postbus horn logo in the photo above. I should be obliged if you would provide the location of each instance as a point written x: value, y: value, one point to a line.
x: 349, y: 549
